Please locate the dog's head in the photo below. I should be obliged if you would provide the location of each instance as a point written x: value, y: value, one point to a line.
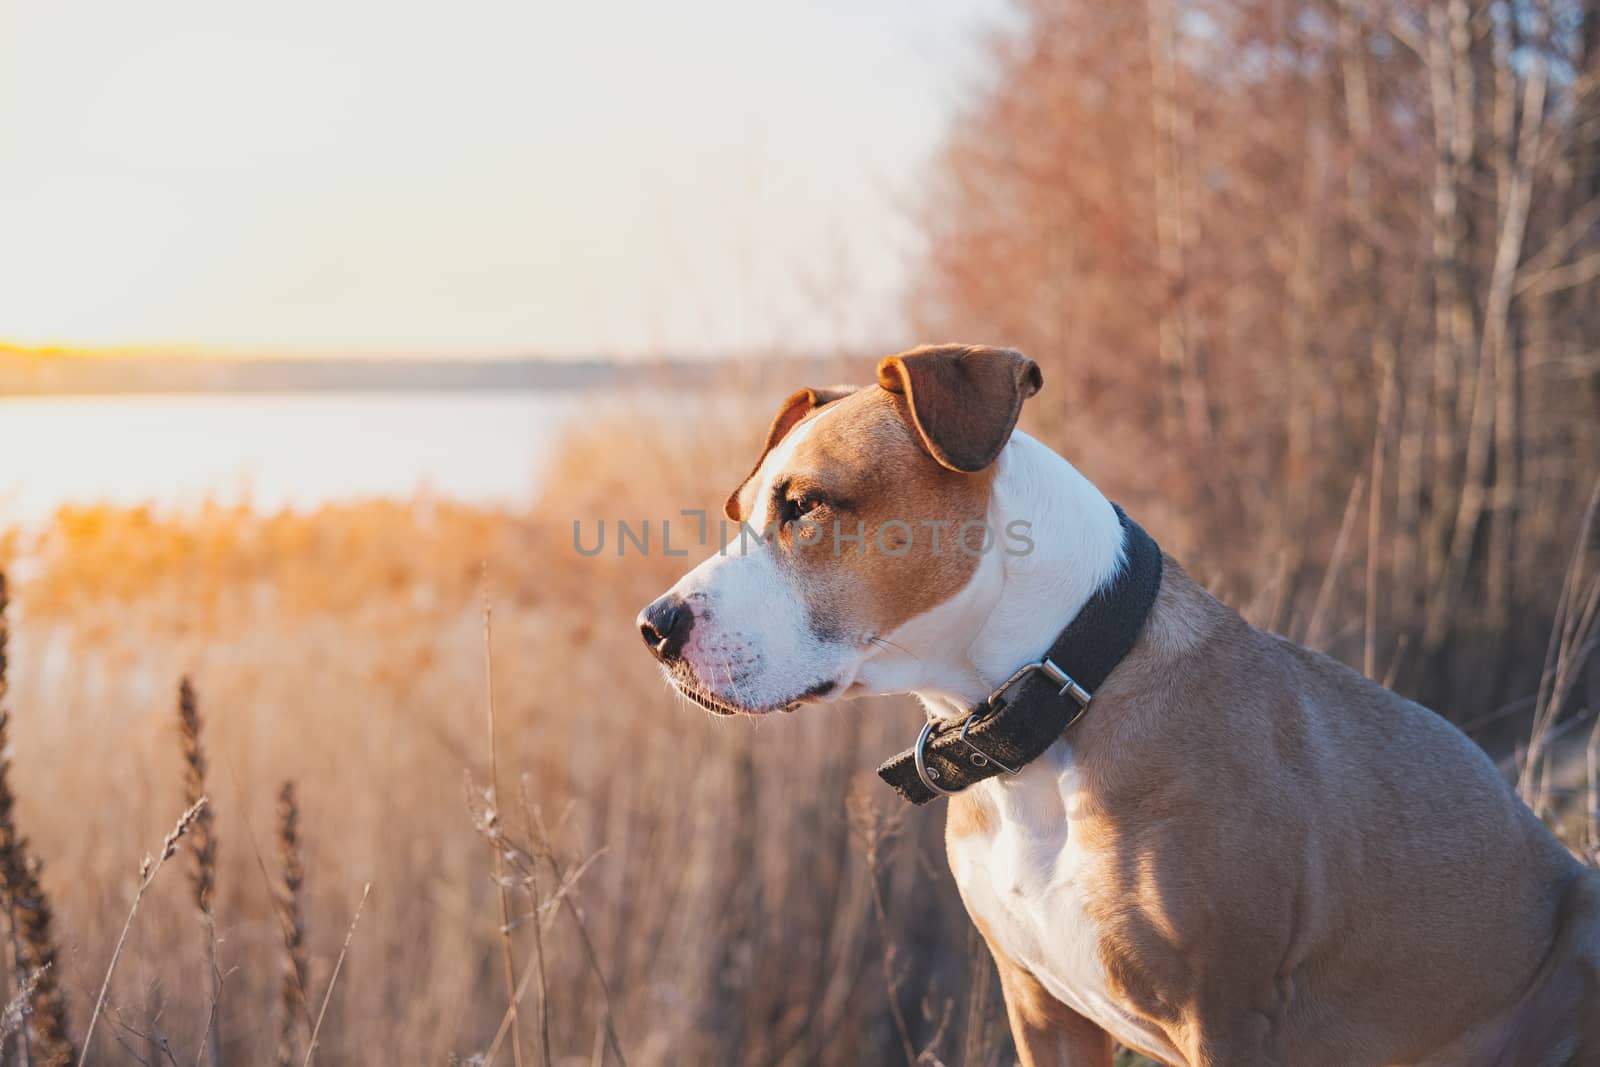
x: 867, y: 510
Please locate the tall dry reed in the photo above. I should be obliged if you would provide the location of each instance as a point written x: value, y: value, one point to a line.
x: 1265, y: 248
x: 508, y: 962
x: 14, y: 1015
x: 149, y: 867
x: 292, y: 998
x: 202, y: 842
x: 333, y: 979
x: 45, y: 1041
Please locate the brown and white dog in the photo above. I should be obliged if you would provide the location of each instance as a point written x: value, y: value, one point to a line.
x: 1243, y: 853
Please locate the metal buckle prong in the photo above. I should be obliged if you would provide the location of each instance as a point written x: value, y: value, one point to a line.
x: 1068, y: 686
x: 982, y: 758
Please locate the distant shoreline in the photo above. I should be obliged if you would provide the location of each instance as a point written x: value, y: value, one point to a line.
x: 29, y: 374
x: 41, y: 374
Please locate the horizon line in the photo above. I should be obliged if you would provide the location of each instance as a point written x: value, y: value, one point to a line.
x: 389, y: 354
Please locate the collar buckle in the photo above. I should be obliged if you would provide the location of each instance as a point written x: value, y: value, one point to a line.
x: 979, y: 758
x: 1046, y: 666
x: 1104, y: 631
x: 929, y: 775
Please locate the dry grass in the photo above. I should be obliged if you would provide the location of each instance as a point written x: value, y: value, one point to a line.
x: 202, y: 840
x: 696, y: 892
x: 293, y: 1017
x: 676, y: 889
x: 27, y: 912
x: 508, y: 961
x: 333, y: 980
x: 149, y: 867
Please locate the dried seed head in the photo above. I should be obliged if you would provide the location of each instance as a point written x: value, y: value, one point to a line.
x: 18, y: 1008
x: 187, y: 821
x: 23, y: 898
x: 296, y: 967
x: 203, y: 840
x: 5, y: 634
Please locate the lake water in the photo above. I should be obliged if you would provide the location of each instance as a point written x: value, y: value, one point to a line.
x: 290, y: 450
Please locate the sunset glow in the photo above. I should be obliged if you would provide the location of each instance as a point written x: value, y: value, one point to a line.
x: 521, y: 178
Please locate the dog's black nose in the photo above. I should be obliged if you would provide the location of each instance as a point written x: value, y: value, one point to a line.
x: 665, y: 626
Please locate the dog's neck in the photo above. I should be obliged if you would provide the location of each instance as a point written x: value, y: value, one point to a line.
x: 1015, y: 605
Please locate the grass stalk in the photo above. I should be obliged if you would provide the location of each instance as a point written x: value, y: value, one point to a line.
x: 875, y: 832
x: 1573, y: 638
x: 46, y: 1042
x: 534, y: 901
x: 202, y: 842
x: 507, y: 957
x: 333, y: 980
x: 291, y: 913
x: 147, y: 874
x: 16, y: 1013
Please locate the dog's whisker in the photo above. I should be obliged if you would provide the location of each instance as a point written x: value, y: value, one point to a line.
x: 884, y: 642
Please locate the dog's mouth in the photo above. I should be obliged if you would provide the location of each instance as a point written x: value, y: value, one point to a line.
x: 718, y: 706
x: 714, y: 705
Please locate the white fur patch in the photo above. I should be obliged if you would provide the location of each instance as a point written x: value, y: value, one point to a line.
x: 1022, y: 878
x: 752, y: 643
x: 1014, y: 605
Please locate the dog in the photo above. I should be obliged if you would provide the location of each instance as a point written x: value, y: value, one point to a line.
x: 1174, y: 831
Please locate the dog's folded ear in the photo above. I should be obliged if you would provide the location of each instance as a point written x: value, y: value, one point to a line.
x: 798, y: 406
x: 963, y: 399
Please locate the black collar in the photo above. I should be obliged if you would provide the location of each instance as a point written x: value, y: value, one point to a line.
x: 1025, y: 716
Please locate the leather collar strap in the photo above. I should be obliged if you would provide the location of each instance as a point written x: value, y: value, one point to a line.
x: 1026, y: 715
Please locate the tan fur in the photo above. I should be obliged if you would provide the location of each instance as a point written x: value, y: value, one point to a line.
x: 864, y: 461
x: 963, y: 400
x: 968, y: 814
x: 886, y: 462
x: 1284, y: 863
x: 799, y: 404
x: 1046, y: 1031
x: 1258, y: 815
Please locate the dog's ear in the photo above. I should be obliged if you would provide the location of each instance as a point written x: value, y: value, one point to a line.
x: 963, y: 399
x: 797, y: 407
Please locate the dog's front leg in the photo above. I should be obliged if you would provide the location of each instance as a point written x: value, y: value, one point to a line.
x: 1046, y: 1031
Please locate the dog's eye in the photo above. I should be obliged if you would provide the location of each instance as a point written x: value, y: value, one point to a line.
x: 795, y: 508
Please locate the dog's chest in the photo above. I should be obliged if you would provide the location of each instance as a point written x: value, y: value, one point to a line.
x: 1027, y: 880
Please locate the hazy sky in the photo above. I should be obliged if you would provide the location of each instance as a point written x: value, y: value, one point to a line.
x: 473, y: 176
